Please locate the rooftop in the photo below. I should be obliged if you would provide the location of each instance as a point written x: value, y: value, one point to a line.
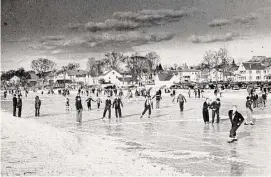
x: 253, y: 66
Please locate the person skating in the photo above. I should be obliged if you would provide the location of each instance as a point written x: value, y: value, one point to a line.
x: 67, y: 104
x: 99, y: 101
x: 107, y: 107
x: 19, y: 105
x: 236, y: 120
x: 89, y: 102
x: 117, y: 104
x: 215, y: 106
x: 14, y: 100
x: 79, y: 108
x: 264, y: 96
x: 199, y: 92
x: 205, y: 111
x: 37, y: 106
x: 249, y: 111
x: 173, y: 95
x: 181, y: 99
x: 147, y: 106
x: 158, y: 98
x: 189, y: 92
x: 195, y: 92
x: 5, y: 94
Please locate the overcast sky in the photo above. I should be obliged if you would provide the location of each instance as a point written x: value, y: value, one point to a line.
x: 178, y: 30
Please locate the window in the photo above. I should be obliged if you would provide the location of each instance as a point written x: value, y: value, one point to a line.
x: 250, y: 72
x: 257, y: 77
x: 250, y: 78
x: 258, y: 72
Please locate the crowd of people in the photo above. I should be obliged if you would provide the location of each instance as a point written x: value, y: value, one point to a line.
x: 254, y: 100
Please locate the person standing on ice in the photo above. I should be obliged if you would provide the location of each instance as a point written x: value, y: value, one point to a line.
x: 205, y: 111
x: 67, y: 104
x: 215, y: 106
x: 19, y: 105
x: 37, y: 106
x: 14, y: 100
x: 99, y: 101
x: 181, y: 99
x: 189, y: 92
x: 249, y: 112
x: 236, y: 120
x: 147, y: 106
x: 79, y: 108
x: 158, y: 98
x: 173, y: 95
x: 89, y: 102
x: 117, y: 104
x: 107, y: 107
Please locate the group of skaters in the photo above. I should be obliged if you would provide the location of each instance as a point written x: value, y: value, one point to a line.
x: 114, y: 100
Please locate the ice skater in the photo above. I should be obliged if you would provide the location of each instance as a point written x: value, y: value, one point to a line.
x: 249, y: 111
x: 236, y: 120
x: 264, y: 96
x: 79, y: 108
x: 19, y: 105
x: 37, y: 106
x: 189, y: 92
x: 205, y: 111
x: 89, y: 102
x: 147, y: 106
x: 215, y: 106
x: 158, y: 98
x: 67, y: 104
x: 14, y: 100
x: 117, y: 104
x: 173, y: 95
x: 107, y: 107
x: 181, y: 99
x: 99, y: 101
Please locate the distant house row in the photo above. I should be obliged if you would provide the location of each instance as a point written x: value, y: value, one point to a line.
x: 246, y: 72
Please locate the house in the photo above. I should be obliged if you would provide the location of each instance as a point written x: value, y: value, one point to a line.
x: 251, y: 71
x: 189, y: 75
x: 14, y: 80
x: 216, y: 75
x: 267, y: 72
x: 112, y: 77
x: 33, y: 80
x: 204, y: 76
x: 166, y: 78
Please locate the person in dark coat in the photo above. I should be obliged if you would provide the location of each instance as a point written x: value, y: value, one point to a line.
x: 158, y: 98
x: 264, y: 96
x: 89, y: 102
x: 5, y: 94
x: 99, y: 101
x: 79, y: 108
x: 14, y: 100
x: 181, y: 99
x: 107, y: 107
x: 236, y: 120
x: 205, y: 111
x: 117, y: 104
x: 199, y: 92
x: 147, y: 106
x: 19, y: 105
x: 37, y: 106
x: 215, y: 106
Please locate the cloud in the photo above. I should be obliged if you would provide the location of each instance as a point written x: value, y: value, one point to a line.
x: 246, y: 19
x: 99, y: 41
x: 219, y: 22
x: 152, y: 15
x: 112, y: 24
x: 129, y: 20
x: 213, y: 38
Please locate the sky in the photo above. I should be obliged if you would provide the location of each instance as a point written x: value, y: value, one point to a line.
x: 180, y: 31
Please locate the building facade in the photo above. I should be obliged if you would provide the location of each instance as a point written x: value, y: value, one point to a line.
x: 250, y: 72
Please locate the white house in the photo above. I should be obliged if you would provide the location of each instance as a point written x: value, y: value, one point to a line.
x: 74, y: 76
x: 251, y: 71
x: 111, y: 76
x: 166, y: 79
x: 14, y: 80
x: 267, y: 72
x: 216, y: 75
x: 189, y: 75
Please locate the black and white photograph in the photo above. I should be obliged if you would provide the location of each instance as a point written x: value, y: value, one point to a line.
x: 135, y: 87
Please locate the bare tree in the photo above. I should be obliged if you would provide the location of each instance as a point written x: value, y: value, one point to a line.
x: 152, y: 60
x: 113, y: 60
x: 42, y: 66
